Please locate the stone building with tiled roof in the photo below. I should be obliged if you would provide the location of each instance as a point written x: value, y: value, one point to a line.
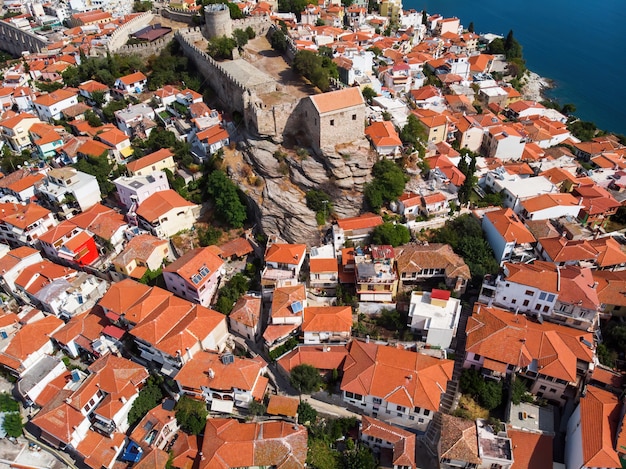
x: 416, y: 263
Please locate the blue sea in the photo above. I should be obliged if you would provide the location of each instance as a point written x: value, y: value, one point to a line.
x: 579, y: 44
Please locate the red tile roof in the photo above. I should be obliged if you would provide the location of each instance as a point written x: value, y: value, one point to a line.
x: 161, y: 203
x: 510, y: 227
x: 189, y: 265
x: 399, y: 376
x: 365, y: 221
x: 403, y: 442
x: 327, y: 319
x: 338, y: 100
x: 599, y: 419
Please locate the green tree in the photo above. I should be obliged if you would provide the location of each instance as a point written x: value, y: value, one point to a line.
x: 413, y: 133
x: 256, y: 408
x: 320, y: 455
x: 109, y: 110
x: 101, y: 168
x: 306, y: 413
x: 250, y: 32
x: 387, y: 185
x: 148, y: 398
x: 360, y: 457
x: 191, y: 415
x: 221, y: 47
x: 228, y: 205
x: 467, y: 165
x: 487, y: 392
x: 98, y: 97
x: 390, y: 233
x: 293, y: 6
x: 305, y: 378
x: 92, y: 119
x: 319, y: 69
x: 241, y: 38
x: 231, y: 292
x: 369, y: 94
x: 279, y: 41
x: 470, y: 28
x: 209, y: 236
x: 13, y: 424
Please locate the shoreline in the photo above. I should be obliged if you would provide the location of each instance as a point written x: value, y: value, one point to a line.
x: 535, y: 87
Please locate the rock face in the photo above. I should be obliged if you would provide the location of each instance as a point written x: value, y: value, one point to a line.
x: 282, y: 179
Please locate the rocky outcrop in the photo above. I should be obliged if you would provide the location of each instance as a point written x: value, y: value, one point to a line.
x: 282, y: 178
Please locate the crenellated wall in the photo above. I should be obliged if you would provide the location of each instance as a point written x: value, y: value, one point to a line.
x: 16, y: 41
x: 119, y: 37
x: 147, y: 49
x: 182, y: 16
x: 228, y: 89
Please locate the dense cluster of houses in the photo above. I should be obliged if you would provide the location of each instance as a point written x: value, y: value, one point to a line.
x: 70, y: 264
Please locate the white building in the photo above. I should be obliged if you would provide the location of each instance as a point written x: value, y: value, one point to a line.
x: 50, y: 106
x: 61, y: 182
x: 516, y: 189
x: 166, y: 213
x: 435, y: 315
x: 135, y: 189
x: 129, y: 118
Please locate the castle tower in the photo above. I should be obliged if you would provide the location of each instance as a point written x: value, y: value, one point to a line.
x: 218, y: 22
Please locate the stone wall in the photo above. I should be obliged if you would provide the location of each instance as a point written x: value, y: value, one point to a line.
x: 16, y: 41
x: 147, y: 49
x: 182, y: 16
x: 259, y: 24
x: 229, y: 91
x: 119, y: 37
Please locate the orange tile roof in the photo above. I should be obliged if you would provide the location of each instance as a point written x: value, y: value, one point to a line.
x: 321, y: 357
x: 383, y: 134
x: 317, y: 265
x: 238, y: 247
x: 50, y: 99
x: 510, y: 227
x: 102, y: 221
x: 530, y: 449
x: 99, y: 450
x: 58, y: 232
x: 34, y: 277
x: 338, y: 100
x: 403, y: 442
x: 364, y: 221
x: 560, y: 249
x: 161, y: 203
x: 228, y: 443
x: 132, y: 78
x: 383, y: 371
x: 122, y: 295
x: 274, y: 332
x: 93, y: 148
x: 291, y: 254
x: 28, y: 340
x: 575, y: 285
x: 91, y: 85
x: 185, y: 450
x: 113, y: 136
x: 189, y: 265
x: 508, y: 339
x: 327, y: 319
x: 283, y: 299
x: 14, y: 121
x: 611, y: 287
x: 88, y: 325
x: 247, y: 311
x: 149, y: 160
x: 599, y: 419
x: 459, y: 440
x: 282, y: 405
x: 242, y: 374
x: 22, y: 216
x: 410, y: 199
x: 544, y: 201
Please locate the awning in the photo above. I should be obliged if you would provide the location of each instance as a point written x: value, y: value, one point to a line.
x: 218, y: 405
x: 127, y: 151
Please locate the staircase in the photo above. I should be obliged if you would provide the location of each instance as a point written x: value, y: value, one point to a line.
x: 450, y: 399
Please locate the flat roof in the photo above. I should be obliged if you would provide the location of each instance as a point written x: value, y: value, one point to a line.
x: 246, y: 73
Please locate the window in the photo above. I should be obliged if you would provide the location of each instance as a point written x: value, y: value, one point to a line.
x: 420, y: 420
x: 552, y: 390
x: 542, y: 295
x: 550, y: 297
x: 349, y: 395
x: 546, y: 309
x: 526, y: 302
x: 514, y: 300
x: 399, y: 408
x: 529, y: 292
x: 377, y: 400
x: 537, y: 306
x: 476, y: 357
x: 332, y: 122
x: 353, y: 117
x: 542, y: 388
x: 411, y: 417
x: 426, y: 412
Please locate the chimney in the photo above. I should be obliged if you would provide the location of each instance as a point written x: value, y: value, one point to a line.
x: 558, y: 279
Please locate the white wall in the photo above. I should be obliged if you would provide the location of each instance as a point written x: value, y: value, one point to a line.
x: 574, y: 442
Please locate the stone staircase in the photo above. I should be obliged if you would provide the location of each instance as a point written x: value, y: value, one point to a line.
x: 450, y: 399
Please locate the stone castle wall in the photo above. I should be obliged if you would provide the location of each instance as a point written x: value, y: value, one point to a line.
x: 119, y: 37
x: 228, y: 89
x: 16, y: 41
x: 147, y: 49
x: 182, y: 16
